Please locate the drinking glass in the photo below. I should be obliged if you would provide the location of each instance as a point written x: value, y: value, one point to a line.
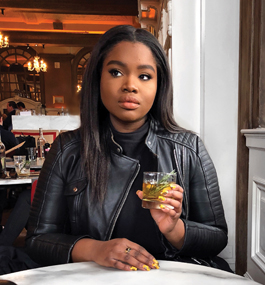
x: 154, y: 184
x: 22, y: 166
x: 32, y: 155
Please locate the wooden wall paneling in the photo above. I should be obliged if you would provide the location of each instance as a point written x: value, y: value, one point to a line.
x: 91, y: 7
x: 248, y: 115
x: 58, y: 81
x: 262, y: 70
x: 63, y: 39
x: 256, y: 36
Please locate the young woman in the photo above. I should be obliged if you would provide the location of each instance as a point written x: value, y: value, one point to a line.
x: 87, y: 205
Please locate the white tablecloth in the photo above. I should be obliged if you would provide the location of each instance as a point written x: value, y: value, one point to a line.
x: 46, y: 122
x: 90, y: 273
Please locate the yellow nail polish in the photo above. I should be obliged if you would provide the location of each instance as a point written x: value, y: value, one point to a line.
x: 172, y: 185
x: 162, y: 206
x: 155, y: 265
x: 133, y: 268
x: 155, y: 261
x: 146, y: 267
x: 164, y: 192
x: 161, y: 198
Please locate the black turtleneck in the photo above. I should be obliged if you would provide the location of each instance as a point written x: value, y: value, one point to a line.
x: 134, y: 222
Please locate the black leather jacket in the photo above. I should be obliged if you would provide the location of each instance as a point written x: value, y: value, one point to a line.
x: 61, y: 213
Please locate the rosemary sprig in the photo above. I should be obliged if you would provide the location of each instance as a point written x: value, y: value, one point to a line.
x: 161, y: 184
x: 25, y: 163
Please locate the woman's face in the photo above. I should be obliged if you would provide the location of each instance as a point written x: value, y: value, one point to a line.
x: 128, y: 85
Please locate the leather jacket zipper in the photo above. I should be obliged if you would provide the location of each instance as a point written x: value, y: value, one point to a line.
x: 76, y: 206
x: 124, y: 199
x: 126, y: 193
x: 183, y: 185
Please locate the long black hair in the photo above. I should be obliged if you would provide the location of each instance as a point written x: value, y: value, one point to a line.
x: 94, y: 129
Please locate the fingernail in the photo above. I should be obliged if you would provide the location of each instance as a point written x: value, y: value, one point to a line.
x: 146, y: 267
x: 137, y: 191
x: 132, y: 268
x: 155, y: 264
x: 164, y: 192
x: 161, y: 198
x: 162, y: 206
x: 172, y: 186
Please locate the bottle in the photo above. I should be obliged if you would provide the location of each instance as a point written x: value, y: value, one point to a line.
x: 62, y: 112
x: 2, y: 157
x: 40, y: 145
x: 46, y: 148
x: 43, y: 110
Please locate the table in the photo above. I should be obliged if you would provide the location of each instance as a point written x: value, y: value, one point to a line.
x: 90, y: 273
x: 33, y: 164
x: 17, y: 181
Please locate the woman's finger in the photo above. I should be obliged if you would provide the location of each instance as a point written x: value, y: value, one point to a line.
x: 126, y: 255
x: 139, y: 193
x: 172, y: 187
x: 139, y: 258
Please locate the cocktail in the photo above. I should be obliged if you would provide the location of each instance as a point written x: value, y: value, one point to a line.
x: 22, y: 166
x: 155, y: 184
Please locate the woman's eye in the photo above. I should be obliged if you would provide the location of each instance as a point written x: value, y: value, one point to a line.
x: 115, y: 72
x: 145, y: 77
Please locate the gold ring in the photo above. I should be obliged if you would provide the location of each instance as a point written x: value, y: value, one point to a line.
x: 128, y: 249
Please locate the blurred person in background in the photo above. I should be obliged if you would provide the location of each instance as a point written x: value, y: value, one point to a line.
x: 11, y: 108
x: 9, y: 141
x: 21, y: 106
x: 8, y: 138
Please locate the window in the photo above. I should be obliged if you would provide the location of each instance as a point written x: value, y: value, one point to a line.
x: 81, y: 68
x: 15, y: 79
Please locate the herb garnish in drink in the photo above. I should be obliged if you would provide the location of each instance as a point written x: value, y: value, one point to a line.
x: 152, y: 188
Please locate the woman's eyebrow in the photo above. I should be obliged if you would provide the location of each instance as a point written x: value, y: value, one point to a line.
x: 116, y: 62
x: 120, y: 63
x: 146, y: 66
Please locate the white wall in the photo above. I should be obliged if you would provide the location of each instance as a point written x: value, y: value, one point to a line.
x: 205, y: 51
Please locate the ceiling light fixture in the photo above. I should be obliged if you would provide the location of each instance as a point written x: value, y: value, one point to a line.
x: 37, y: 65
x: 3, y: 41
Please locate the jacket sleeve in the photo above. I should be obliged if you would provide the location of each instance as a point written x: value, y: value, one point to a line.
x: 205, y: 224
x: 48, y: 239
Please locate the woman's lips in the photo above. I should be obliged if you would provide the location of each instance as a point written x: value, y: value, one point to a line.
x: 129, y: 103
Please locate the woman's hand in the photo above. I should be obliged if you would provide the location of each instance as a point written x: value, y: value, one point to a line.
x: 119, y: 253
x: 168, y: 221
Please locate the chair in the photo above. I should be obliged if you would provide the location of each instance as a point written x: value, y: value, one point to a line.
x: 49, y: 135
x: 33, y: 188
x: 22, y: 225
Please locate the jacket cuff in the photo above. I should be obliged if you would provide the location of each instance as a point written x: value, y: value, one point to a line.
x: 171, y: 253
x: 69, y: 258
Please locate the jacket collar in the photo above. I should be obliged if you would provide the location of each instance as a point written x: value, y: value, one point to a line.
x: 150, y: 140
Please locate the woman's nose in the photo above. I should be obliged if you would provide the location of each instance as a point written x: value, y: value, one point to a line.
x: 130, y: 85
